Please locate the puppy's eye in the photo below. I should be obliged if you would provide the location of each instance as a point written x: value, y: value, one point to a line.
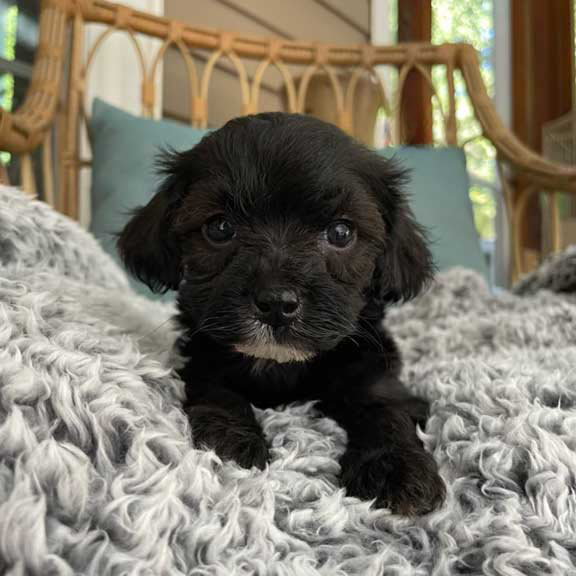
x: 219, y: 230
x: 340, y: 233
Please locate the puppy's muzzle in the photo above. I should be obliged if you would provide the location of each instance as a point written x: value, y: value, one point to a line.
x: 277, y: 306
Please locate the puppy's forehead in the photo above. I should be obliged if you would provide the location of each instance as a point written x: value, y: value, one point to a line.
x: 299, y: 194
x: 253, y: 147
x: 278, y: 169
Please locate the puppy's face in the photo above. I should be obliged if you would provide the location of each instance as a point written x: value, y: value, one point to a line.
x: 279, y: 232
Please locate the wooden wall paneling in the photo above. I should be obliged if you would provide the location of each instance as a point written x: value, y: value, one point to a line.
x: 301, y: 19
x: 218, y: 15
x: 356, y: 11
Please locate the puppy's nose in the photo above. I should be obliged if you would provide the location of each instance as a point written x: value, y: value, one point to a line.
x: 277, y: 305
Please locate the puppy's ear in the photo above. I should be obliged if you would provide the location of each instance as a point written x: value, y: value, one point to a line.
x: 147, y: 245
x: 405, y: 265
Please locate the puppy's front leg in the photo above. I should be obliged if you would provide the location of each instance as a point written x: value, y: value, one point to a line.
x: 384, y: 458
x: 224, y: 422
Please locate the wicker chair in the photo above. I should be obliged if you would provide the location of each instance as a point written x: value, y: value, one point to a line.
x: 53, y: 114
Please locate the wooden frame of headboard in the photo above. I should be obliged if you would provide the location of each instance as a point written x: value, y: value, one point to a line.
x: 55, y: 100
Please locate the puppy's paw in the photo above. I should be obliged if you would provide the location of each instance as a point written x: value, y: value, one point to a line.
x: 231, y: 436
x: 247, y: 448
x: 247, y: 451
x: 405, y: 480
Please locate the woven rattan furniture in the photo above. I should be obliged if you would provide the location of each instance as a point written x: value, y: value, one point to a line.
x: 54, y: 111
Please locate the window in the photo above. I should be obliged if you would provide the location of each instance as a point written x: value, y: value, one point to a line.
x: 471, y: 21
x: 18, y: 40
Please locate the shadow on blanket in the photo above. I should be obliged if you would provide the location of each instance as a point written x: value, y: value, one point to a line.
x: 98, y: 476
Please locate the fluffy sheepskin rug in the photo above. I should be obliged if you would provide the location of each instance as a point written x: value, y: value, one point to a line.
x: 98, y: 475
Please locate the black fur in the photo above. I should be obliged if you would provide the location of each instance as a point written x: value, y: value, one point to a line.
x: 281, y: 180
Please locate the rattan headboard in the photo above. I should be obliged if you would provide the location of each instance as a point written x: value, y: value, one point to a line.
x: 55, y: 101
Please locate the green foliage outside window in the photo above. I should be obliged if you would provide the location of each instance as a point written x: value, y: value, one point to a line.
x: 7, y: 45
x: 469, y: 21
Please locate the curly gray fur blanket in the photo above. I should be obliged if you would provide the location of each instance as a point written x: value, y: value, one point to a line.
x: 98, y: 474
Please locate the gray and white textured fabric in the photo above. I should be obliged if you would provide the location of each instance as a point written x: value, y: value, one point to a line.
x: 557, y: 273
x: 98, y: 475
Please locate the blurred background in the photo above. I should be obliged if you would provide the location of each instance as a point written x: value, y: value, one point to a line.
x: 526, y: 49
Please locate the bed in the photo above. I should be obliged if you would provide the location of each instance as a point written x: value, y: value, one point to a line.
x: 97, y: 470
x: 98, y: 474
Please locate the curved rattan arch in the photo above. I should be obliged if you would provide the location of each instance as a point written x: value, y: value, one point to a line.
x: 193, y: 81
x: 25, y: 129
x: 289, y: 86
x: 101, y: 40
x: 223, y: 52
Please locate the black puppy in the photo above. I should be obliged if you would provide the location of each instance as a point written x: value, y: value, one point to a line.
x: 286, y: 240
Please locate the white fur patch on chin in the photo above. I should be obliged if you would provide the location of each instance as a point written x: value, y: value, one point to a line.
x: 276, y: 352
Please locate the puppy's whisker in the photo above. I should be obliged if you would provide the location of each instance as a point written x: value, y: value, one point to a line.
x: 154, y: 330
x: 366, y: 334
x: 205, y: 324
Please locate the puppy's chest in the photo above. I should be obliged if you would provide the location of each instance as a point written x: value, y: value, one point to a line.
x: 268, y: 384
